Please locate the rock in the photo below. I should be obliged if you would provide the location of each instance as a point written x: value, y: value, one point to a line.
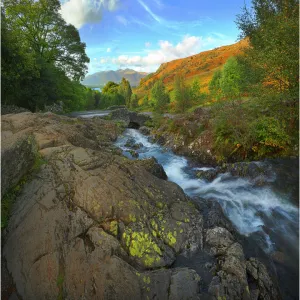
x: 175, y: 284
x: 89, y: 205
x: 137, y: 146
x: 145, y: 130
x: 18, y: 154
x: 133, y: 153
x: 208, y: 175
x: 213, y: 215
x: 218, y: 240
x: 152, y: 166
x: 278, y: 257
x: 261, y: 281
x: 130, y: 143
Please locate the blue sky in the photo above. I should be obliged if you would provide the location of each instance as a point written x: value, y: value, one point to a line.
x: 142, y: 34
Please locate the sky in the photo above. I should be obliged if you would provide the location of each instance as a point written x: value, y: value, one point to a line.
x: 142, y: 34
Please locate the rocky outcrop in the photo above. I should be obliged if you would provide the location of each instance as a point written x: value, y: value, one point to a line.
x: 130, y: 118
x: 93, y: 207
x: 91, y: 224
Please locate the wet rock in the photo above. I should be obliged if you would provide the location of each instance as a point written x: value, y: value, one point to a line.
x: 152, y: 166
x: 208, y: 175
x: 133, y: 153
x: 278, y: 257
x: 213, y: 215
x: 145, y: 130
x: 130, y: 142
x: 137, y: 146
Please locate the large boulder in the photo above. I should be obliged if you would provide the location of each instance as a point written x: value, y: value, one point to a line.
x: 88, y: 205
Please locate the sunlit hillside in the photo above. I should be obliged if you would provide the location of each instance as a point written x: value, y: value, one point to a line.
x: 201, y: 66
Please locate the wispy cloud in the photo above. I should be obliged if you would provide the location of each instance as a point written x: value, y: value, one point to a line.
x: 122, y: 20
x: 150, y: 12
x: 147, y: 44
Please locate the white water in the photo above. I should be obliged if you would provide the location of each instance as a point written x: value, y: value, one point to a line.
x: 250, y: 208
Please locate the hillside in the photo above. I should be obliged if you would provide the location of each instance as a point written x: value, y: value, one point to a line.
x: 201, y: 66
x: 101, y: 78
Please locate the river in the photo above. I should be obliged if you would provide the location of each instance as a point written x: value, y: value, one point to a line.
x: 266, y: 214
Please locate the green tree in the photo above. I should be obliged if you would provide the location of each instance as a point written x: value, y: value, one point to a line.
x: 196, y: 94
x: 40, y: 28
x: 159, y: 97
x: 125, y: 90
x: 231, y: 81
x: 110, y: 88
x: 146, y: 100
x: 215, y: 85
x: 134, y: 101
x: 182, y: 94
x: 272, y: 27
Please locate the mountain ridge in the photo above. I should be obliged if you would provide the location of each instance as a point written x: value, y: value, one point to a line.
x: 99, y: 79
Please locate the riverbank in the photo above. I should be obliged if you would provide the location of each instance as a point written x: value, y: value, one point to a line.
x: 260, y: 198
x: 98, y: 225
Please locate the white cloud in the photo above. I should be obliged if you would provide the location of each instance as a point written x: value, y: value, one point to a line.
x: 108, y: 50
x: 81, y: 12
x: 166, y: 52
x: 103, y: 60
x: 147, y: 44
x: 122, y: 20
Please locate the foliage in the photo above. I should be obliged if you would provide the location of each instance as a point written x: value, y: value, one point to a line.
x: 134, y: 101
x: 273, y: 30
x: 110, y: 88
x: 125, y: 91
x: 231, y: 81
x: 159, y: 97
x: 40, y: 28
x: 215, y: 85
x: 182, y: 94
x: 42, y: 57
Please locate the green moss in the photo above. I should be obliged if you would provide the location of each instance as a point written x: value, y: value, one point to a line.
x: 8, y: 200
x: 141, y: 245
x: 39, y: 161
x: 171, y: 238
x: 159, y: 205
x: 146, y: 279
x: 60, y: 282
x: 132, y: 218
x: 113, y: 227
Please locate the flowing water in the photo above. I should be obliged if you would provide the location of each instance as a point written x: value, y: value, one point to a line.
x: 266, y: 214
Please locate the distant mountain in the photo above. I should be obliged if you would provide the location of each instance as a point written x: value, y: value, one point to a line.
x: 200, y: 66
x: 99, y: 79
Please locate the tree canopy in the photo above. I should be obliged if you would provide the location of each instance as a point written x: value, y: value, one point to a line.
x: 42, y: 57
